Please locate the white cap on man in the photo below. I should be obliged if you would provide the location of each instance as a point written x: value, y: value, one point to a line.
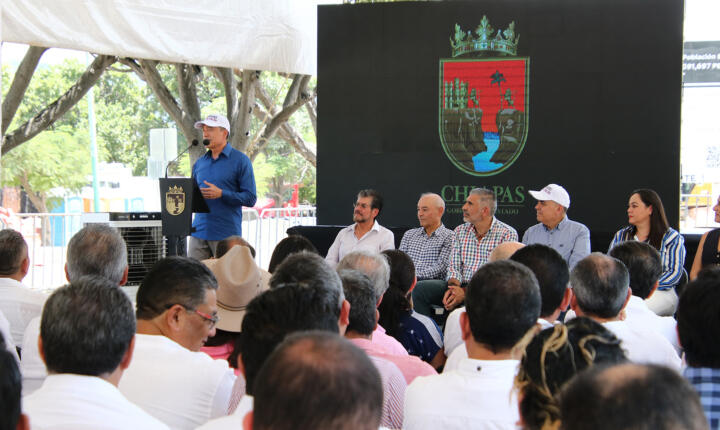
x: 555, y: 193
x: 214, y: 120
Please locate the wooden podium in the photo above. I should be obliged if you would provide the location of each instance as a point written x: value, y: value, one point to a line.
x: 179, y: 198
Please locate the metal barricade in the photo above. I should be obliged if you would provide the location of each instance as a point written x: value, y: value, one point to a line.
x: 696, y: 212
x: 47, y: 236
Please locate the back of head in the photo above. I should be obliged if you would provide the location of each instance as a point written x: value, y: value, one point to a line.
x: 305, y: 267
x: 290, y: 245
x: 13, y: 251
x: 171, y: 281
x: 396, y: 301
x: 360, y: 294
x: 372, y: 264
x: 224, y: 245
x: 377, y: 200
x: 502, y: 304
x: 631, y: 396
x: 278, y: 312
x: 505, y: 250
x: 698, y: 322
x: 600, y: 284
x: 551, y: 271
x: 10, y: 389
x: 346, y: 389
x: 86, y: 327
x: 552, y: 358
x: 643, y: 263
x: 98, y: 250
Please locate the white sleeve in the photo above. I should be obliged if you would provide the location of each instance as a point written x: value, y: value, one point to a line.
x: 221, y: 400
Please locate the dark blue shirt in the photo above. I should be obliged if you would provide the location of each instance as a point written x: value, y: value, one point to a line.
x: 420, y: 335
x: 232, y: 172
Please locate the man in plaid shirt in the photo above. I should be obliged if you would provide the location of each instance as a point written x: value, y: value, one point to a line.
x: 698, y: 328
x: 473, y: 243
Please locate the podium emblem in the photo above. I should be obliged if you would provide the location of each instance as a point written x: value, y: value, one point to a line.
x: 175, y: 200
x: 484, y: 102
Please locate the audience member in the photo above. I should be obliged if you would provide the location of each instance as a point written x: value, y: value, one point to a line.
x: 18, y: 303
x: 708, y: 250
x: 169, y: 377
x: 366, y: 233
x: 239, y: 280
x: 376, y: 267
x: 223, y: 246
x: 8, y: 344
x: 346, y: 389
x: 298, y: 306
x: 601, y: 291
x: 631, y: 397
x: 644, y: 266
x: 289, y: 245
x: 11, y: 417
x: 473, y: 242
x: 418, y: 334
x: 429, y: 248
x: 648, y: 223
x: 552, y: 358
x: 698, y: 326
x: 502, y: 306
x: 363, y: 320
x: 95, y: 250
x: 453, y: 334
x: 570, y: 238
x: 87, y: 335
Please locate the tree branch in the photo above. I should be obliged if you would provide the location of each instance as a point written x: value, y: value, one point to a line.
x: 240, y: 128
x: 19, y: 85
x: 311, y: 107
x: 290, y: 106
x: 57, y: 109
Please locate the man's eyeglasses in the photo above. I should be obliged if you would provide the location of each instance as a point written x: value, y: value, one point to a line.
x: 361, y: 205
x: 212, y: 319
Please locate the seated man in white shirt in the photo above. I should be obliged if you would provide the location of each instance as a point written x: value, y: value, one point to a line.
x: 502, y: 306
x: 366, y: 233
x: 551, y: 271
x: 345, y: 387
x: 601, y: 290
x: 18, y: 303
x: 645, y: 267
x: 87, y: 335
x: 168, y: 377
x: 95, y: 250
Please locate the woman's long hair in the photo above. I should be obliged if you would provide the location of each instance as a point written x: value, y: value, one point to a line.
x: 658, y: 221
x: 396, y: 303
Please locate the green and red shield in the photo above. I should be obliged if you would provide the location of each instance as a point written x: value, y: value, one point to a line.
x: 483, y: 118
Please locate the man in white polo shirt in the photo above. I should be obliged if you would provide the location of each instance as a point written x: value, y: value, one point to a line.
x: 168, y: 377
x: 502, y: 305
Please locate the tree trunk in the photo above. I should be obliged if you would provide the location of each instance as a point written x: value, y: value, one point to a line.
x: 46, y: 117
x: 19, y: 85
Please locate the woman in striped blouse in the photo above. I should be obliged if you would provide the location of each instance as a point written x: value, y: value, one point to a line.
x: 648, y: 223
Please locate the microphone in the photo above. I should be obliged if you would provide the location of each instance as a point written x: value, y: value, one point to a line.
x: 194, y: 143
x: 206, y: 142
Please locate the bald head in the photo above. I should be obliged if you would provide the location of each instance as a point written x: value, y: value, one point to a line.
x: 504, y: 251
x: 619, y: 397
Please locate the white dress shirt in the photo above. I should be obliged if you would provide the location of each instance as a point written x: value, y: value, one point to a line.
x: 32, y: 366
x: 378, y: 239
x: 20, y: 305
x: 477, y: 395
x: 453, y: 334
x: 637, y: 313
x: 460, y: 352
x: 5, y: 331
x: 79, y: 402
x: 643, y: 345
x: 181, y: 388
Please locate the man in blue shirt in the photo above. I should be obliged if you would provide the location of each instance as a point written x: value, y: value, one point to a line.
x: 227, y: 182
x: 571, y: 239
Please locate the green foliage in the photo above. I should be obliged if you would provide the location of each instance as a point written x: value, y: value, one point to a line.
x: 53, y: 159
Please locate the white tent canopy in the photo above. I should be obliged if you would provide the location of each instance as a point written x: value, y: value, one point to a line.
x: 276, y: 35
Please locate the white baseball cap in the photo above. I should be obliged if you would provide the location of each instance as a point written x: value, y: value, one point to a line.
x: 214, y: 120
x: 555, y: 193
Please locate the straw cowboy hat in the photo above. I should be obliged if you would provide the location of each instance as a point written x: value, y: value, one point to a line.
x: 239, y: 281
